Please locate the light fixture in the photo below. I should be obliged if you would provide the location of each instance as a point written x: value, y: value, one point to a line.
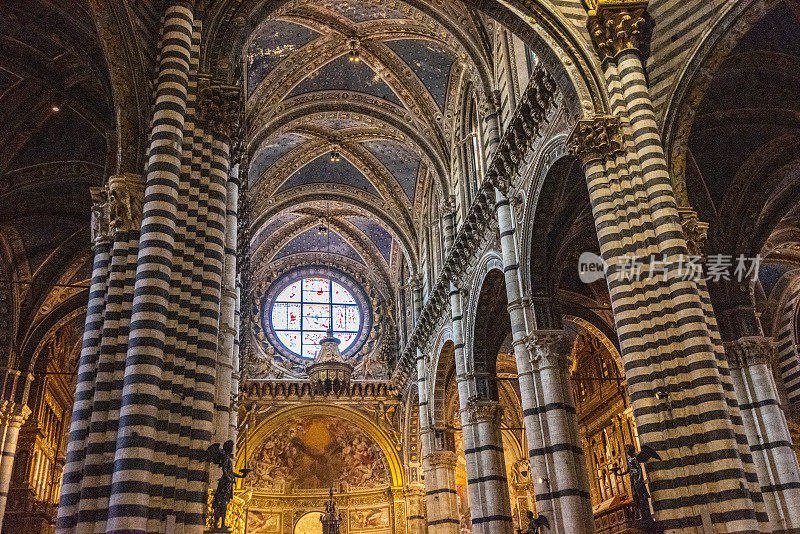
x: 56, y: 109
x: 335, y: 156
x: 353, y: 55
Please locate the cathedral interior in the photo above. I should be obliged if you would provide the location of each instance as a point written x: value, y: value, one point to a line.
x: 444, y: 263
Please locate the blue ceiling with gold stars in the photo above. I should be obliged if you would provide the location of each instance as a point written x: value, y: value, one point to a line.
x: 312, y: 240
x: 430, y: 61
x: 323, y: 171
x: 342, y: 74
x: 273, y: 41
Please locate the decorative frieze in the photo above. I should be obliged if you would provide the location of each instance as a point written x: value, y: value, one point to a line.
x: 617, y: 26
x: 125, y: 202
x: 749, y: 351
x: 597, y: 138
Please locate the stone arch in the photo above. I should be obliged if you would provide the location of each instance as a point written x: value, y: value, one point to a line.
x: 488, y: 325
x: 359, y: 419
x: 444, y: 371
x: 695, y: 79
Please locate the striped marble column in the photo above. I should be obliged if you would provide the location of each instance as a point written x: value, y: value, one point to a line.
x: 441, y: 498
x: 90, y: 350
x: 490, y: 114
x: 438, y: 464
x: 675, y: 375
x: 560, y: 479
x: 483, y: 446
x: 227, y: 360
x: 768, y: 434
x: 12, y: 417
x: 129, y: 505
x: 448, y: 225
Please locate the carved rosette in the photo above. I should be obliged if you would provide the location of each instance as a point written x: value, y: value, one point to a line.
x: 749, y: 351
x: 548, y: 348
x: 101, y: 231
x: 483, y: 411
x: 617, y: 26
x: 596, y: 139
x: 694, y: 231
x: 219, y: 109
x: 125, y: 202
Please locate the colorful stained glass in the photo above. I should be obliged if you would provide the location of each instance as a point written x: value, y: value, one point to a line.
x: 316, y: 290
x: 346, y: 340
x: 291, y: 340
x: 340, y: 295
x: 305, y: 309
x: 316, y: 317
x: 290, y: 294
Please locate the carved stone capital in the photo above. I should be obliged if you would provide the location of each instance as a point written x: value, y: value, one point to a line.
x: 617, y: 26
x: 749, y: 351
x: 125, y: 202
x: 596, y: 139
x: 219, y: 108
x: 101, y: 230
x: 694, y: 230
x: 438, y: 459
x: 13, y: 413
x: 483, y: 411
x: 548, y: 348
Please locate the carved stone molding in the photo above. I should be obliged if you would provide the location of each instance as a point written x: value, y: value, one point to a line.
x: 749, y: 351
x: 596, y: 139
x: 617, y: 26
x: 548, y: 348
x: 219, y: 108
x: 694, y: 230
x: 13, y: 413
x: 483, y: 411
x: 437, y: 459
x: 101, y: 223
x: 125, y: 202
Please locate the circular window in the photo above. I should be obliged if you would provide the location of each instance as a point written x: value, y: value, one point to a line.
x: 303, y: 304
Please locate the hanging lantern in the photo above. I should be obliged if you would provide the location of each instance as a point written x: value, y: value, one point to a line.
x: 330, y: 373
x: 353, y: 55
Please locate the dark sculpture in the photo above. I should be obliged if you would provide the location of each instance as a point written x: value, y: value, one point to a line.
x: 536, y: 524
x: 224, y: 493
x: 641, y: 497
x: 330, y: 519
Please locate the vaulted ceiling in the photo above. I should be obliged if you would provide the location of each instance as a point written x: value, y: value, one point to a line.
x: 387, y: 115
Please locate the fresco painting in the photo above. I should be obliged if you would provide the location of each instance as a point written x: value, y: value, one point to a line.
x: 263, y: 522
x: 318, y: 452
x: 369, y: 519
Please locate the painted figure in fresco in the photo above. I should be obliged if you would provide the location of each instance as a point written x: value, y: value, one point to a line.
x: 536, y: 524
x: 224, y: 493
x: 641, y: 497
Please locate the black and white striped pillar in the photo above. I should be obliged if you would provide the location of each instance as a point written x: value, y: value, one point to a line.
x: 558, y: 464
x: 675, y: 374
x: 483, y: 446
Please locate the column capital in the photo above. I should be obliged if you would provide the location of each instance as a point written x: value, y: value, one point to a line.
x: 616, y: 26
x: 437, y: 459
x: 749, y: 351
x: 483, y: 411
x: 13, y: 413
x: 548, y: 348
x: 219, y: 107
x: 101, y: 224
x: 125, y: 201
x: 596, y: 138
x: 694, y: 231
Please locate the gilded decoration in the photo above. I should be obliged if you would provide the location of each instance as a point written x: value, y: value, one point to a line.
x: 317, y: 453
x: 617, y: 26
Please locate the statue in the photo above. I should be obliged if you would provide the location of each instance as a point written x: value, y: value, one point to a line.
x: 224, y: 493
x: 641, y: 497
x: 535, y: 524
x: 330, y: 519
